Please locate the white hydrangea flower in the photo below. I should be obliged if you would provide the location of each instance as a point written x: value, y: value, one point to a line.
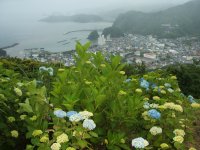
x: 178, y: 139
x: 55, y: 146
x: 192, y: 148
x: 146, y: 105
x: 139, y: 142
x: 170, y: 90
x: 62, y: 138
x: 178, y: 108
x: 155, y: 130
x: 14, y: 133
x: 89, y: 124
x: 173, y: 106
x: 70, y: 148
x: 154, y: 105
x: 86, y: 114
x: 179, y: 132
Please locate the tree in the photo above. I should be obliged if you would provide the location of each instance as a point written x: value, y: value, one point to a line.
x: 188, y: 78
x: 113, y: 31
x: 2, y: 53
x: 93, y: 36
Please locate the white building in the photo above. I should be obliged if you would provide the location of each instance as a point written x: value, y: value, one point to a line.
x: 160, y: 45
x: 108, y: 39
x: 173, y: 51
x: 101, y: 40
x: 137, y: 53
x: 189, y: 57
x: 150, y: 55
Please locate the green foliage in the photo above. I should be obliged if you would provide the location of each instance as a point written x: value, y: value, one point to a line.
x: 98, y: 85
x: 113, y: 31
x: 8, y: 105
x: 139, y: 69
x: 3, y: 53
x: 188, y: 78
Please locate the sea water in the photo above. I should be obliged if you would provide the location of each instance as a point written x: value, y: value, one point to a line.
x: 50, y: 36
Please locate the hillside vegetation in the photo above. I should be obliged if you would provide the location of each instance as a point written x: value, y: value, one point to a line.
x: 184, y: 20
x: 188, y: 77
x: 92, y: 105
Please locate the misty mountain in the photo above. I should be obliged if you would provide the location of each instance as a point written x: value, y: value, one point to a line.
x: 111, y: 14
x: 80, y: 18
x: 176, y: 21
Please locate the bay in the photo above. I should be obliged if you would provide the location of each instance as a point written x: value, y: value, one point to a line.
x: 50, y: 36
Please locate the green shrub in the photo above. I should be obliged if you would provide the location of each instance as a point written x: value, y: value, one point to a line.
x: 142, y: 111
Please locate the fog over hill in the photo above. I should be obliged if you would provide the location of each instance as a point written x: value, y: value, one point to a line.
x: 176, y: 21
x: 19, y: 19
x: 37, y: 9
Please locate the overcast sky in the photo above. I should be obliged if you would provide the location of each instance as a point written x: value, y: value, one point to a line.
x: 41, y: 8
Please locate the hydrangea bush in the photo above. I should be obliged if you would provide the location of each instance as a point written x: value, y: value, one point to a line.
x: 94, y: 105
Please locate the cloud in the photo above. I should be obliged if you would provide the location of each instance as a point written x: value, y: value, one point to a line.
x: 38, y: 8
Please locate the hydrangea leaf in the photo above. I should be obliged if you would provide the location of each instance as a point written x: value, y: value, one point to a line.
x: 26, y: 107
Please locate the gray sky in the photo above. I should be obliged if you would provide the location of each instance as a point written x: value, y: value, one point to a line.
x: 40, y: 8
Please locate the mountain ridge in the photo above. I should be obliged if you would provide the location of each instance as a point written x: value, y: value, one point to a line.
x: 177, y: 21
x: 80, y: 18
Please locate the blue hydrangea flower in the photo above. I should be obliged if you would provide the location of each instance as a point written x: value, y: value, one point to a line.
x: 182, y: 95
x: 159, y: 90
x: 60, y: 113
x: 70, y: 113
x: 153, y: 86
x: 191, y: 99
x: 89, y: 124
x: 153, y: 113
x: 144, y: 83
x: 141, y: 79
x: 127, y: 80
x: 67, y: 64
x: 75, y: 117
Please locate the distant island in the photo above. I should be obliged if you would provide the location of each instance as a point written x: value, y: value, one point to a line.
x: 80, y: 18
x: 182, y: 20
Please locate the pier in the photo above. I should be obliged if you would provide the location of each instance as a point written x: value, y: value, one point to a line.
x: 84, y: 30
x: 13, y: 45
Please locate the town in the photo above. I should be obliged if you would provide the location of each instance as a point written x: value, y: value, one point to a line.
x: 154, y: 52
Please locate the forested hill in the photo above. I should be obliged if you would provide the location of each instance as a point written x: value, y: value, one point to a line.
x: 176, y: 21
x: 80, y: 18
